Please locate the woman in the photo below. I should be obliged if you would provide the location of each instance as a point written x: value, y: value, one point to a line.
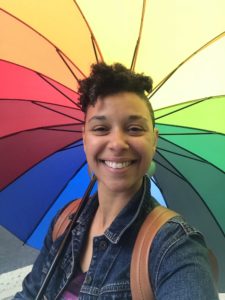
x: 120, y: 141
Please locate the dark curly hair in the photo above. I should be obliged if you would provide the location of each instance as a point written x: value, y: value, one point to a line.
x: 107, y: 80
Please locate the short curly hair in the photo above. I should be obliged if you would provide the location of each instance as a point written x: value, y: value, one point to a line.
x: 107, y: 80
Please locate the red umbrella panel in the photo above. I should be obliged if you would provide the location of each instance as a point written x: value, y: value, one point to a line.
x: 39, y: 117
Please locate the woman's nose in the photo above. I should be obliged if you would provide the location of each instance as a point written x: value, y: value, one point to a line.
x: 118, y: 141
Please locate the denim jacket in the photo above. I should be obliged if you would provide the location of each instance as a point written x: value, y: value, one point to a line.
x: 178, y: 260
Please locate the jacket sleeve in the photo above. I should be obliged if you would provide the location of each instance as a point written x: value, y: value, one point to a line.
x: 32, y: 282
x: 180, y: 267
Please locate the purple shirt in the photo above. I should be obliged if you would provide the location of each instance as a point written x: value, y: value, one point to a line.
x: 73, y: 289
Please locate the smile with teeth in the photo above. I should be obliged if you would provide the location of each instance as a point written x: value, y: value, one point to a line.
x: 117, y: 165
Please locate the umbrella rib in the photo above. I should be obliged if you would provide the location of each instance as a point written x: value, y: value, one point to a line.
x: 94, y: 47
x: 93, y: 39
x: 72, y: 147
x: 53, y: 201
x: 67, y: 65
x: 182, y: 108
x: 37, y: 128
x: 134, y: 59
x: 189, y: 133
x: 182, y: 155
x: 162, y: 165
x: 204, y: 131
x: 65, y: 130
x: 55, y: 111
x: 189, y: 183
x: 54, y: 127
x: 39, y: 102
x: 201, y: 158
x: 44, y: 103
x: 58, y: 90
x: 64, y: 125
x: 161, y: 83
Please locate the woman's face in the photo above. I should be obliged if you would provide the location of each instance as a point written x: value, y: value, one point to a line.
x: 119, y: 142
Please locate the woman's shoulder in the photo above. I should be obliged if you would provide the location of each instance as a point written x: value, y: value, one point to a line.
x: 177, y: 230
x: 179, y: 225
x: 174, y: 244
x: 178, y: 252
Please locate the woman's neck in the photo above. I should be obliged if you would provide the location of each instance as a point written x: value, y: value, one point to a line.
x: 110, y: 205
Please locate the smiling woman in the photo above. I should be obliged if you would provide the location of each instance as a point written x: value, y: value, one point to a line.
x: 120, y: 141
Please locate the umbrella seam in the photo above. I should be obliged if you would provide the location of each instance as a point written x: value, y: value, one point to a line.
x: 193, y: 154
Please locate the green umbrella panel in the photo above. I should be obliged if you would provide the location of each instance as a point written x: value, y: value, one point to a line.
x: 190, y: 167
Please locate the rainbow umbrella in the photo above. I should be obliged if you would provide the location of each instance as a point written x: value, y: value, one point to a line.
x: 180, y: 44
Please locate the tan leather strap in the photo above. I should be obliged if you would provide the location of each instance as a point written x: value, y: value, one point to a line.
x: 64, y: 219
x: 214, y: 266
x: 139, y: 278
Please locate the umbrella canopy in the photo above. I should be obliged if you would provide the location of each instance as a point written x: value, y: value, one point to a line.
x: 53, y: 43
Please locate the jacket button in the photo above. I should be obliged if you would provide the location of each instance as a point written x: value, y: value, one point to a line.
x: 103, y: 245
x: 88, y: 279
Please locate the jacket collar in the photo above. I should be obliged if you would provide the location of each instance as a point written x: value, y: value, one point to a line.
x: 139, y: 202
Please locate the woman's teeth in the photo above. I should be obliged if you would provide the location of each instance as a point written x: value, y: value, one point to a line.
x: 116, y: 165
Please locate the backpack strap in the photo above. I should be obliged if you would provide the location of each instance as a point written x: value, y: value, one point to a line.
x: 64, y: 219
x: 214, y: 266
x: 139, y: 274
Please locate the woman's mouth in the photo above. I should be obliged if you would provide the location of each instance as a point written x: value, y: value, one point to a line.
x: 117, y: 165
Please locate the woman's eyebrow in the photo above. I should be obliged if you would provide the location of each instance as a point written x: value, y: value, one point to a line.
x: 137, y: 117
x: 98, y: 118
x: 129, y: 118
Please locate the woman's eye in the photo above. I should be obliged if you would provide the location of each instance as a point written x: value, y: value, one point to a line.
x: 135, y: 129
x: 100, y: 129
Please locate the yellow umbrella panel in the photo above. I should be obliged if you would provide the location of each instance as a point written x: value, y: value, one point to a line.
x: 171, y: 31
